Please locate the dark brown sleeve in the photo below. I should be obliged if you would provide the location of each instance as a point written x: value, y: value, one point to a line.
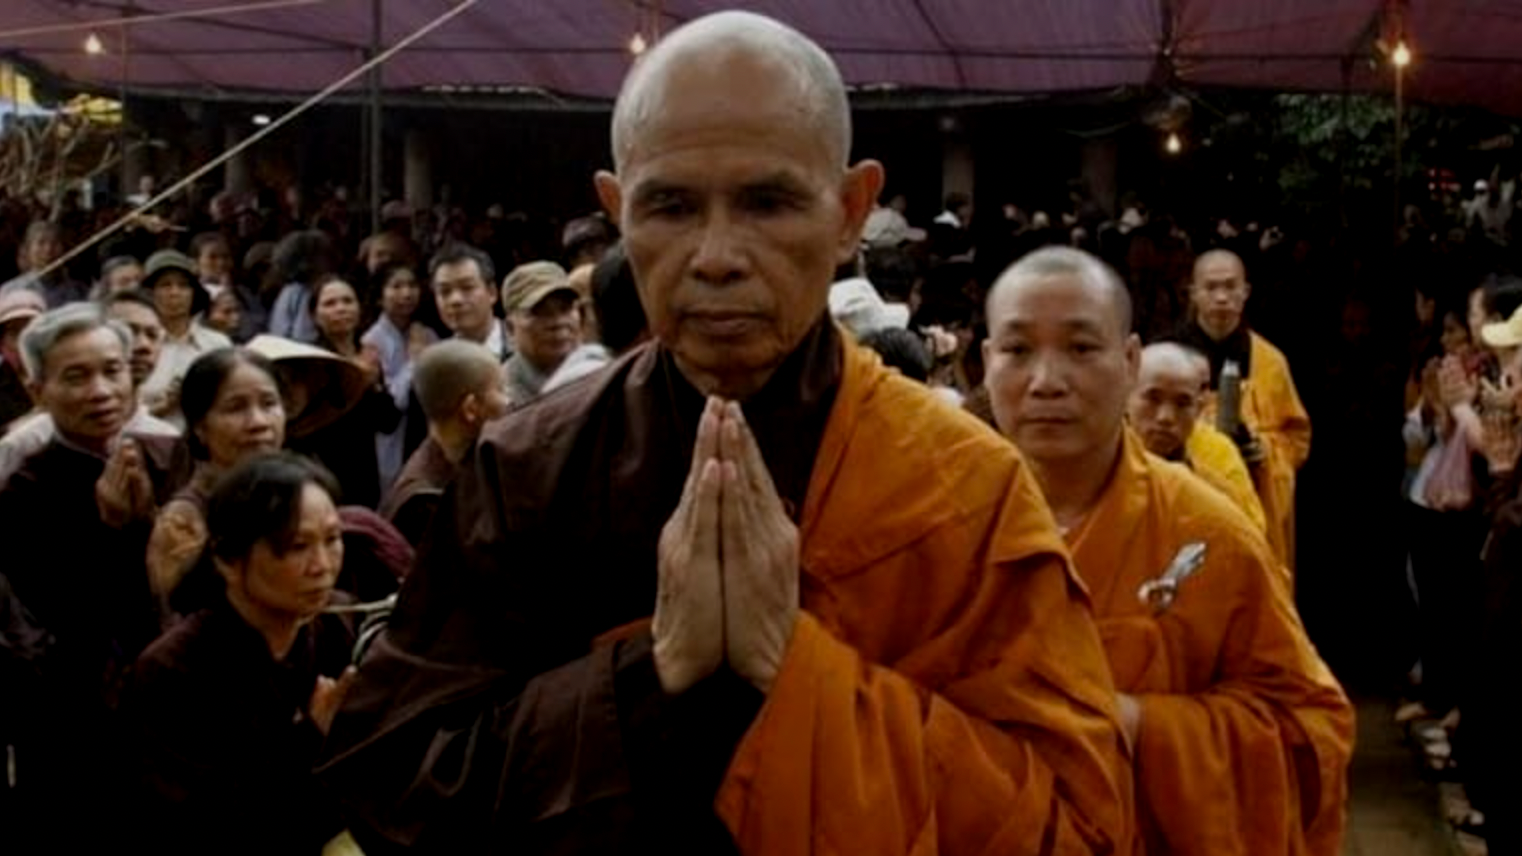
x: 479, y: 722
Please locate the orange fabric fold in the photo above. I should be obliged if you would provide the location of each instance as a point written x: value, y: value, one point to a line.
x: 1214, y: 458
x: 945, y: 688
x: 1245, y: 735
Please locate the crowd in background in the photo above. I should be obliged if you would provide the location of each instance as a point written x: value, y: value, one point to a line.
x: 378, y: 356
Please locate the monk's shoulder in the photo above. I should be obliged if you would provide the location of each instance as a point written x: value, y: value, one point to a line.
x: 942, y: 433
x: 1268, y: 356
x: 1200, y: 512
x: 529, y: 447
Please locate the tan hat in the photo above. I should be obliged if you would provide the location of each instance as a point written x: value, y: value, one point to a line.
x: 319, y: 385
x: 1504, y: 334
x: 21, y: 304
x: 532, y: 282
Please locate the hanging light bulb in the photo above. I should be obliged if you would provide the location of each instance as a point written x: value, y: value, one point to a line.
x: 637, y: 44
x: 1401, y: 56
x: 93, y: 45
x: 1174, y: 145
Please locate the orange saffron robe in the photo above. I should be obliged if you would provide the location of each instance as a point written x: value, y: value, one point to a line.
x: 1245, y: 734
x: 1271, y: 408
x: 1215, y: 458
x: 945, y: 688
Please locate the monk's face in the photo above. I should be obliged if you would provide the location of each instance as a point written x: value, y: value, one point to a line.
x: 1060, y: 366
x: 1166, y: 404
x: 1219, y: 292
x: 735, y: 215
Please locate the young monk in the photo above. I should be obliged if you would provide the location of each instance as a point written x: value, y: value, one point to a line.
x: 1164, y: 412
x: 1241, y: 734
x: 1275, y: 432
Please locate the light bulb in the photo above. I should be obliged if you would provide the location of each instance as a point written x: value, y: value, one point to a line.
x: 1401, y: 56
x: 261, y: 119
x: 1174, y: 145
x: 93, y: 45
x: 637, y: 44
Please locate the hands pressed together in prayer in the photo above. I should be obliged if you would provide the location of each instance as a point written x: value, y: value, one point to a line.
x: 728, y: 563
x: 124, y: 493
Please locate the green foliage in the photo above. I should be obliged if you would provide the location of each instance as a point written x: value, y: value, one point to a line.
x: 1334, y: 155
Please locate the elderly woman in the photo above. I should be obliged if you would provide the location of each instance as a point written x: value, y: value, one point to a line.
x: 228, y: 710
x: 232, y: 405
x: 180, y: 299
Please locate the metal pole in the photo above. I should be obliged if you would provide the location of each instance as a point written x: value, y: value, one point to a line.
x: 376, y: 161
x: 1400, y: 130
x: 121, y: 100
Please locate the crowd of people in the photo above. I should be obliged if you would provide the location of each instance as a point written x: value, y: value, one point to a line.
x: 746, y: 516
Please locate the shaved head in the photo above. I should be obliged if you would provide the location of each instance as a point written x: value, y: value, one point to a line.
x: 1061, y: 359
x: 451, y: 370
x: 722, y: 44
x: 1219, y: 293
x: 1064, y: 262
x: 1167, y: 400
x: 733, y: 194
x: 1173, y: 359
x: 1216, y: 259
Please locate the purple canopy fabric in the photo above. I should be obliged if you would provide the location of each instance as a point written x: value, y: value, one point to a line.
x: 1467, y: 51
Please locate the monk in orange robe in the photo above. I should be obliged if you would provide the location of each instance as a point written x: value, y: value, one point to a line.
x: 866, y: 634
x: 1242, y: 736
x: 1164, y: 411
x: 1275, y: 432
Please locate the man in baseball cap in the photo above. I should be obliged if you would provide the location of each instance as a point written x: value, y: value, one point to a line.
x: 544, y: 318
x: 17, y: 308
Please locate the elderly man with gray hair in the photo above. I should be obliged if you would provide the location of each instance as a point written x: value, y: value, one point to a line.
x: 80, y: 511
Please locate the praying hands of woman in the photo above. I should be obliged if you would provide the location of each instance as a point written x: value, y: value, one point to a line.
x: 728, y: 563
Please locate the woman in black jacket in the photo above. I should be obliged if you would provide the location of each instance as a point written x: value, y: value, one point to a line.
x: 229, y: 708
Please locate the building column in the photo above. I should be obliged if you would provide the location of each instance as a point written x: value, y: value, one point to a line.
x: 417, y: 161
x: 956, y: 159
x: 238, y: 173
x: 1100, y: 160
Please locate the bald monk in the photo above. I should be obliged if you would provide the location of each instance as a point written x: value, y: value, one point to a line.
x: 1275, y: 433
x: 1241, y: 735
x: 745, y: 591
x: 1164, y: 411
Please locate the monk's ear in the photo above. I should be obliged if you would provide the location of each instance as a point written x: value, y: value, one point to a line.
x: 470, y: 409
x: 859, y: 189
x: 611, y: 194
x: 1133, y: 358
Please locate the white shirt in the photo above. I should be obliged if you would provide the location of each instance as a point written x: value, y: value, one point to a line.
x: 29, y: 434
x: 496, y: 341
x: 174, y: 359
x: 396, y: 366
x: 949, y: 219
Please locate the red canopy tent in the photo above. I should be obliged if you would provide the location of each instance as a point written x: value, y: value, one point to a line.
x: 1466, y: 51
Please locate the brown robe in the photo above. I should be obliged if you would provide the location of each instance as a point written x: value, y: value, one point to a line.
x: 944, y: 690
x: 413, y: 499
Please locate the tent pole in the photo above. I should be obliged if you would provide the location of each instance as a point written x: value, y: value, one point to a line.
x: 374, y: 124
x: 1400, y: 109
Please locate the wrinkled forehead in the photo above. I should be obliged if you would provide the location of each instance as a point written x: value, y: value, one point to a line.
x: 84, y: 349
x: 719, y: 94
